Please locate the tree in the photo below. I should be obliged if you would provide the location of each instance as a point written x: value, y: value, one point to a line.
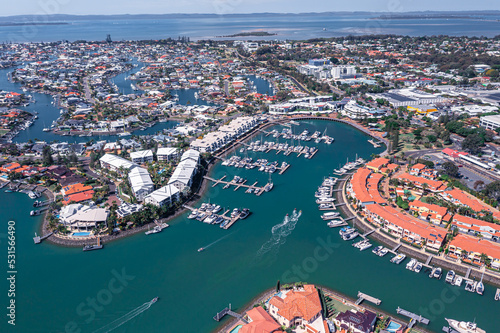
x: 492, y: 190
x: 473, y: 144
x: 450, y: 169
x: 47, y: 156
x: 478, y: 185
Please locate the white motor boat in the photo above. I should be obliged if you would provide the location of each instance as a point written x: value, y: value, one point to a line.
x: 464, y: 327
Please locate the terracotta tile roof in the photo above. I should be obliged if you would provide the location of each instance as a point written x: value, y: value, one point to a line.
x: 303, y: 304
x: 470, y: 222
x: 419, y: 181
x: 466, y: 200
x: 377, y: 163
x: 78, y: 197
x: 262, y: 322
x: 473, y: 244
x: 415, y: 205
x: 358, y: 182
x: 75, y: 188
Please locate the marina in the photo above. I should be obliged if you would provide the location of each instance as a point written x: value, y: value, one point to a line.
x: 238, y: 183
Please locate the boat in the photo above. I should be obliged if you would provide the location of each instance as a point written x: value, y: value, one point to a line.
x: 216, y: 209
x: 124, y: 134
x: 437, y: 273
x: 377, y: 249
x: 201, y: 249
x: 470, y: 286
x: 346, y: 230
x: 411, y: 264
x: 330, y: 216
x: 450, y: 276
x: 244, y: 213
x: 193, y: 215
x: 458, y: 280
x: 33, y: 195
x: 383, y: 252
x: 365, y: 245
x: 497, y: 295
x: 464, y: 327
x: 92, y: 247
x: 324, y: 200
x: 335, y: 223
x: 398, y: 259
x: 155, y: 230
x: 480, y: 288
x: 154, y: 300
x: 350, y: 236
x: 418, y: 267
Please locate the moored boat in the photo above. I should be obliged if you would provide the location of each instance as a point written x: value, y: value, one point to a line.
x: 464, y: 327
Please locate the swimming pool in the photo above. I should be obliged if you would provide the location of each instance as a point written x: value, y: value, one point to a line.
x: 393, y: 326
x: 81, y: 234
x: 236, y: 329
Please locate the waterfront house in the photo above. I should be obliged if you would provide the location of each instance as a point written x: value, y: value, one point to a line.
x: 126, y: 209
x: 363, y: 187
x: 141, y: 182
x: 142, y: 156
x: 405, y: 227
x: 432, y: 185
x: 472, y: 248
x: 461, y: 198
x: 167, y: 153
x: 473, y: 226
x: 430, y: 212
x: 164, y: 196
x: 77, y: 216
x: 259, y: 321
x: 298, y: 307
x: 356, y: 321
x: 377, y: 164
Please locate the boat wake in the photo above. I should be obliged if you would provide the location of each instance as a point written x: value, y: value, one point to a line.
x: 125, y: 318
x: 279, y: 233
x: 218, y: 240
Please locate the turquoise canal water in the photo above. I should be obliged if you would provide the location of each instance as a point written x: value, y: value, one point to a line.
x: 66, y: 290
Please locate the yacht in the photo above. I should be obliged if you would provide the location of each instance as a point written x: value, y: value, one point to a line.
x: 155, y: 230
x: 335, y: 223
x: 324, y: 200
x: 464, y: 327
x: 438, y: 273
x: 383, y: 252
x: 326, y: 206
x: 450, y: 276
x: 377, y: 249
x: 470, y: 286
x: 365, y: 245
x: 154, y: 300
x: 235, y: 213
x: 244, y: 213
x: 330, y: 216
x: 92, y: 247
x: 418, y: 267
x: 350, y: 236
x: 411, y: 264
x: 398, y: 259
x: 216, y: 209
x: 480, y: 288
x: 497, y: 295
x: 346, y: 230
x: 201, y: 249
x: 458, y: 280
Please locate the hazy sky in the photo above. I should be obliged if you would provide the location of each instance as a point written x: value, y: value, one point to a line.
x: 40, y: 7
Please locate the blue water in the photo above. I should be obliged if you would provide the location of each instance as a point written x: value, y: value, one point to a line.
x: 81, y: 234
x: 286, y: 26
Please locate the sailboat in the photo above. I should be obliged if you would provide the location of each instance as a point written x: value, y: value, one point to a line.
x: 269, y: 186
x: 480, y: 286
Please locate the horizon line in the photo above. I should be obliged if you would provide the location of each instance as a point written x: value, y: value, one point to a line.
x: 269, y: 13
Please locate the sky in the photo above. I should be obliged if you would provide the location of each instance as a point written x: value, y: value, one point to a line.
x: 100, y: 7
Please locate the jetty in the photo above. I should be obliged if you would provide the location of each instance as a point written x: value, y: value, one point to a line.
x: 393, y: 251
x: 429, y: 260
x: 366, y: 234
x: 449, y: 330
x: 364, y: 297
x: 232, y: 183
x: 375, y: 144
x: 37, y: 239
x: 414, y: 318
x: 228, y: 311
x: 468, y: 273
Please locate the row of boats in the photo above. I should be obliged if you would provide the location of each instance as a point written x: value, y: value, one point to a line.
x: 207, y: 213
x: 263, y: 165
x: 285, y: 147
x: 349, y: 166
x: 287, y: 134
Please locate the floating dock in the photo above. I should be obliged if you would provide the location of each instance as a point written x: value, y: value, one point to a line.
x: 227, y: 311
x: 415, y: 318
x: 231, y: 183
x: 364, y: 297
x: 38, y: 239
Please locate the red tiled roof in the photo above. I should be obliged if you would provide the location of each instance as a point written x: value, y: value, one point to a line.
x: 303, y: 304
x: 473, y: 244
x: 433, y: 184
x: 377, y: 163
x: 261, y: 322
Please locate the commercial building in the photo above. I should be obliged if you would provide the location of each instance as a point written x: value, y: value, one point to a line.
x: 141, y: 156
x: 164, y: 196
x: 407, y: 97
x: 355, y: 111
x: 140, y: 182
x: 490, y: 122
x: 343, y: 72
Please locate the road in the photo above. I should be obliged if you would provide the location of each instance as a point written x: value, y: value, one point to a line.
x: 88, y: 94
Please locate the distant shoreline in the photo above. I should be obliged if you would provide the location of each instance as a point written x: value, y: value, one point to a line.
x: 249, y: 34
x: 15, y: 24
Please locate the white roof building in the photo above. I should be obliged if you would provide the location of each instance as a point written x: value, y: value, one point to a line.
x: 78, y: 216
x: 185, y: 171
x: 142, y: 156
x: 141, y: 182
x: 114, y: 163
x: 163, y: 196
x: 167, y: 153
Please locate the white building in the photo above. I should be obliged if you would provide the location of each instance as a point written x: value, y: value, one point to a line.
x: 186, y: 170
x: 141, y: 156
x: 473, y: 109
x: 141, y: 182
x: 355, y: 111
x: 167, y: 153
x: 77, y: 216
x: 343, y: 72
x: 114, y: 163
x: 408, y: 96
x: 490, y: 122
x: 166, y: 195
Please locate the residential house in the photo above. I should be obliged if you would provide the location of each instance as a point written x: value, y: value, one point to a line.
x: 141, y: 182
x: 430, y: 212
x: 164, y: 196
x: 356, y: 321
x: 473, y: 249
x: 141, y: 156
x: 167, y: 153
